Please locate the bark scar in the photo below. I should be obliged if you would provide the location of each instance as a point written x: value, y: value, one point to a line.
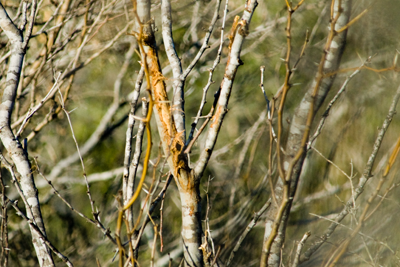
x: 233, y: 31
x: 216, y: 116
x: 242, y: 27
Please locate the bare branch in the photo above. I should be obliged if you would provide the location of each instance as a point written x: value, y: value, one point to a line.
x: 14, y: 148
x: 129, y: 131
x: 178, y: 102
x: 239, y: 31
x: 43, y: 237
x: 96, y: 222
x: 249, y: 227
x: 80, y: 156
x: 291, y: 165
x: 300, y: 248
x: 361, y: 184
x: 335, y: 98
x: 133, y: 168
x: 210, y: 81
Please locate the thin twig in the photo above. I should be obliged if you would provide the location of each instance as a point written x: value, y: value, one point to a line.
x: 362, y: 182
x: 210, y: 81
x: 95, y: 214
x: 331, y: 103
x: 249, y: 227
x: 42, y: 236
x: 32, y: 111
x: 300, y: 248
x: 96, y: 222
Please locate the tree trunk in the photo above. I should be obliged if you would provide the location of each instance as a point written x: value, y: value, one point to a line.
x: 191, y: 222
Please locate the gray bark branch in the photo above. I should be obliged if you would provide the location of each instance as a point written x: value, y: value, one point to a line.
x: 310, y: 103
x: 12, y: 145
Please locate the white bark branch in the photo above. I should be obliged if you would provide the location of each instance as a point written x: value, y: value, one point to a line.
x: 129, y: 131
x: 12, y: 145
x: 226, y: 87
x: 133, y: 168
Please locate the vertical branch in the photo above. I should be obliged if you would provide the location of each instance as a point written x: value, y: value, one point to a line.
x: 178, y: 102
x: 299, y: 131
x: 129, y: 131
x: 171, y: 136
x: 286, y: 88
x: 142, y: 35
x: 162, y: 108
x: 189, y: 191
x: 281, y: 191
x: 5, y: 250
x: 135, y: 161
x: 172, y: 143
x: 12, y: 145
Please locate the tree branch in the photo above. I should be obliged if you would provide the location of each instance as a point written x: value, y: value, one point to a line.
x: 13, y: 146
x: 239, y: 32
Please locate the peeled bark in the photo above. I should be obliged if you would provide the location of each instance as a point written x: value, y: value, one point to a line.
x: 170, y: 123
x: 173, y: 145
